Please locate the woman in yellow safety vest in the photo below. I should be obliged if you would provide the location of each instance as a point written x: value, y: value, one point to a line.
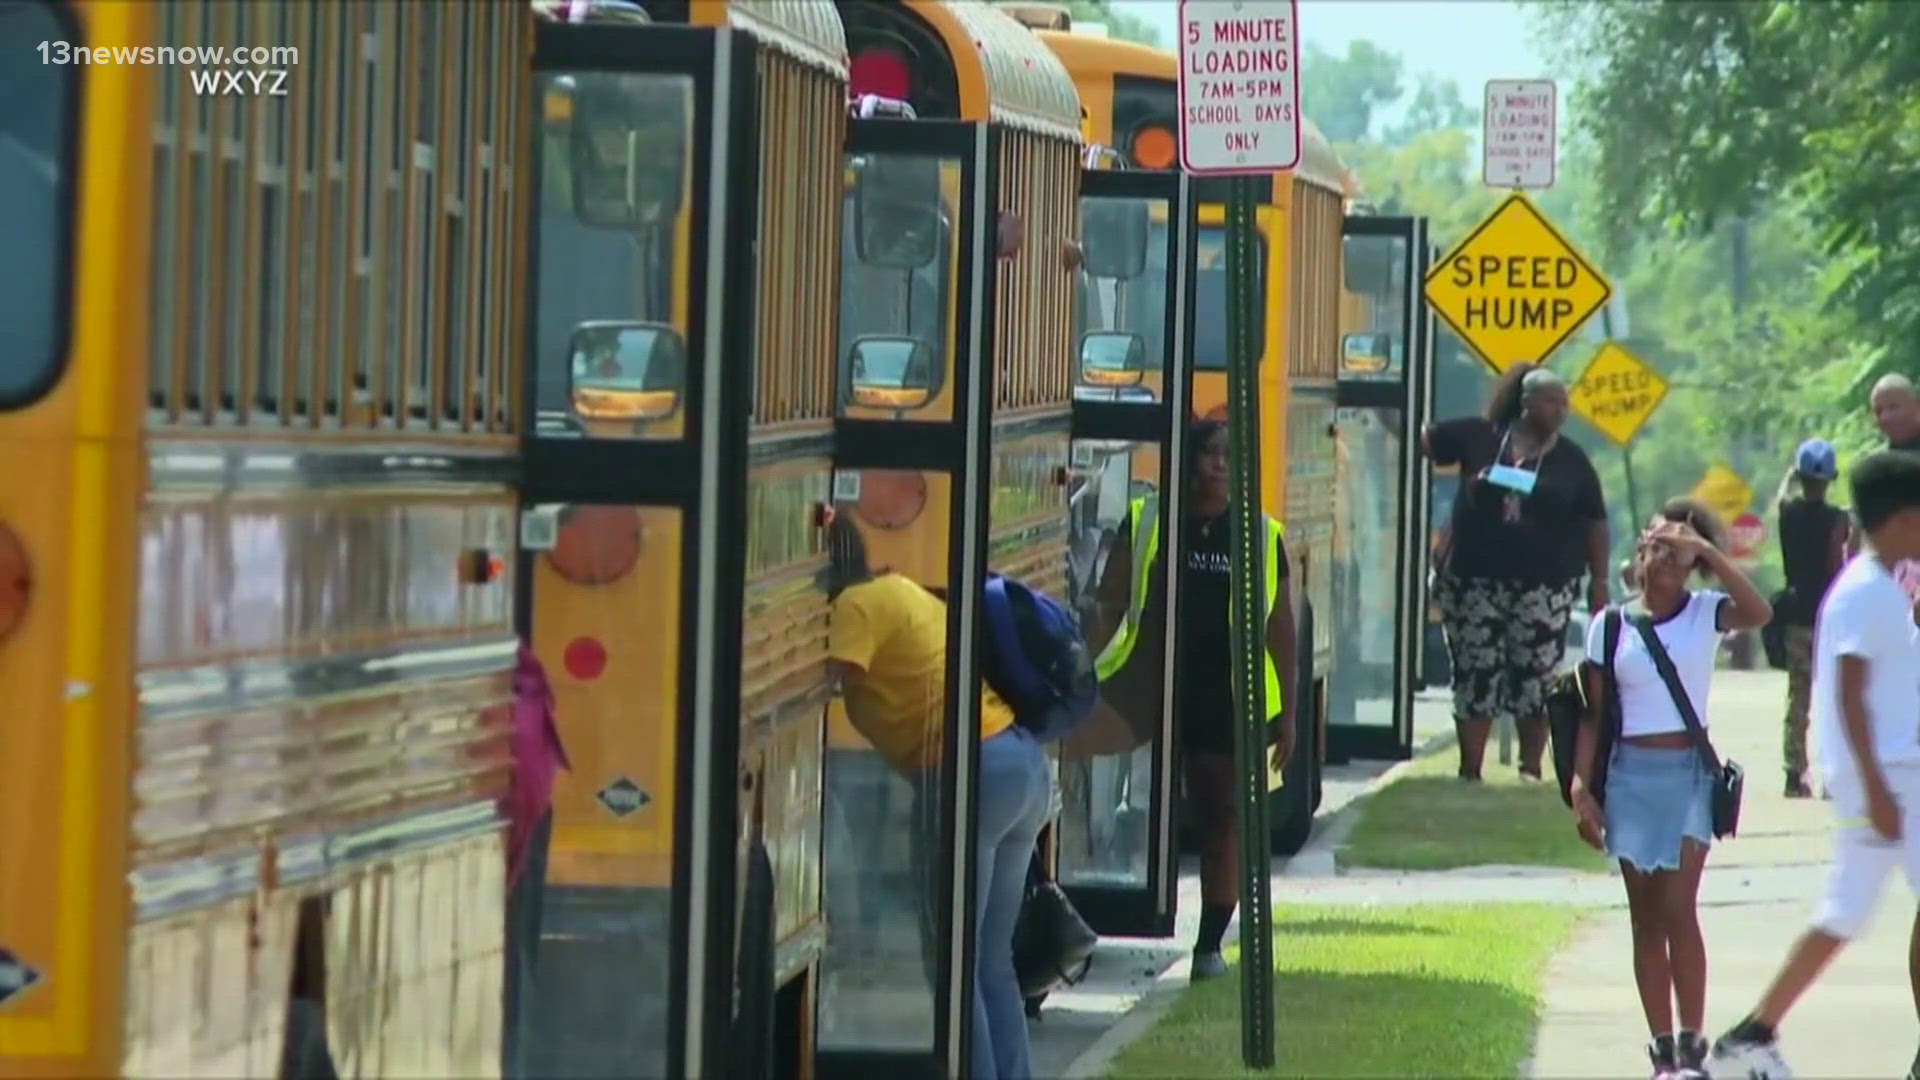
x: 1204, y: 722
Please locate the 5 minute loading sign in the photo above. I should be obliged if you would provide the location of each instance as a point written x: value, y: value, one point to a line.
x: 1515, y: 289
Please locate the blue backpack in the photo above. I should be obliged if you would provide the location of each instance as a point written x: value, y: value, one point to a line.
x: 1036, y: 659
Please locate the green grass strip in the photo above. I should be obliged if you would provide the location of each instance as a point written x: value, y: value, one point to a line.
x: 1361, y: 991
x: 1428, y: 819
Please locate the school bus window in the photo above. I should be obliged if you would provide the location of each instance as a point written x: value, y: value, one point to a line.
x: 1122, y: 312
x: 614, y: 252
x: 896, y: 273
x: 1210, y: 298
x: 36, y: 200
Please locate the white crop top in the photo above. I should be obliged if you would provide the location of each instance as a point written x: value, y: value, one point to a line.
x: 1692, y: 638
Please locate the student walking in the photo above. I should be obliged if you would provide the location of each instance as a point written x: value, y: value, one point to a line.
x: 1865, y: 702
x: 1813, y: 545
x: 1657, y: 818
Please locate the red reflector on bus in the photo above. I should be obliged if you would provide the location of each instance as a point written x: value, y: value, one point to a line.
x: 880, y: 71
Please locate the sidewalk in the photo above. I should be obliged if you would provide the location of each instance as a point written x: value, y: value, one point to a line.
x: 1755, y: 899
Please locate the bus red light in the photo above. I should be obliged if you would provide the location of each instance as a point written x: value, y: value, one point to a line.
x: 880, y: 71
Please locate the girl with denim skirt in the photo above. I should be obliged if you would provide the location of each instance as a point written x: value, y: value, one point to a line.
x: 1655, y: 813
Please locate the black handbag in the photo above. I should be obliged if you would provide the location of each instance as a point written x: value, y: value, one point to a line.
x: 1568, y: 709
x: 1052, y: 944
x: 1729, y: 780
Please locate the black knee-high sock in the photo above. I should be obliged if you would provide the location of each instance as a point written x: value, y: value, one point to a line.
x: 1213, y: 927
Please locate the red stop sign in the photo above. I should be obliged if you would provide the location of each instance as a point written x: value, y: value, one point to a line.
x: 1745, y: 536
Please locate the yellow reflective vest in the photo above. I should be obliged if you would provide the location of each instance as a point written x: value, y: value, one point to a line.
x: 1146, y: 544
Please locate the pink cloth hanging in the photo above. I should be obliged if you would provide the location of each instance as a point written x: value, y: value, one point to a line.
x: 537, y: 756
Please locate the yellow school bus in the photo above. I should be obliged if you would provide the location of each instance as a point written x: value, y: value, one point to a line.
x: 1129, y: 96
x: 258, y: 407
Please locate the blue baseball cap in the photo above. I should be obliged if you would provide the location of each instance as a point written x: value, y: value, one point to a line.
x: 1816, y: 460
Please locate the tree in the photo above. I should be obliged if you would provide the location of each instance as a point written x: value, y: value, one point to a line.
x: 1341, y: 94
x: 1118, y: 23
x: 1703, y: 111
x: 1436, y: 106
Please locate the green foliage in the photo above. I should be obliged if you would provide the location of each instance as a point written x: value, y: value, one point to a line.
x: 1341, y: 94
x: 1119, y: 24
x: 1370, y: 991
x: 1703, y: 111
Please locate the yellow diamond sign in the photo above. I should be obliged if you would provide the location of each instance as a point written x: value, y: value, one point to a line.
x: 1724, y: 492
x: 1515, y: 289
x: 1617, y: 393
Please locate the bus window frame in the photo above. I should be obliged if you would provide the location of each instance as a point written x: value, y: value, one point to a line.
x: 562, y: 468
x: 946, y: 289
x: 944, y: 446
x: 66, y: 227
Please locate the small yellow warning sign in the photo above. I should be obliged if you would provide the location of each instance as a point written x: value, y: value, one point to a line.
x: 1724, y: 492
x: 1515, y: 289
x: 1617, y: 393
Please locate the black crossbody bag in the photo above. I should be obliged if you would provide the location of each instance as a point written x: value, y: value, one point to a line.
x: 1729, y: 780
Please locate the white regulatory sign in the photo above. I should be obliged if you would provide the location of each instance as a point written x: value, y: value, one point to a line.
x: 1239, y: 85
x: 1519, y: 136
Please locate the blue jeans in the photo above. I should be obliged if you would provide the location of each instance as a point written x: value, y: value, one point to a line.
x: 1015, y: 794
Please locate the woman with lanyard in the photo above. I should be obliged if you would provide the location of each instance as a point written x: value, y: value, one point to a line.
x: 1528, y: 521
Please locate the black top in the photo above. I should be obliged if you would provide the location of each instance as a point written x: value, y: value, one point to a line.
x: 1806, y: 537
x: 1206, y: 716
x: 1547, y: 544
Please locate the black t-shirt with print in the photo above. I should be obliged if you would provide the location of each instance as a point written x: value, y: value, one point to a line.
x: 1205, y: 720
x: 1548, y: 544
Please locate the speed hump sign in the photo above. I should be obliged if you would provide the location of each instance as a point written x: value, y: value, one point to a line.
x: 1515, y: 289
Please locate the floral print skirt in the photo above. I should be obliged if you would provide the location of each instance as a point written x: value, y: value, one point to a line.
x: 1505, y: 640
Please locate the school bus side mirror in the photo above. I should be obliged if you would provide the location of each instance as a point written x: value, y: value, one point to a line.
x: 1366, y: 352
x: 888, y: 372
x: 1112, y: 358
x: 626, y: 152
x: 627, y: 371
x: 896, y: 211
x: 1113, y: 237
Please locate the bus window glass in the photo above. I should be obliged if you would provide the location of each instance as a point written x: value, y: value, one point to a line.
x: 1210, y: 299
x: 36, y: 184
x: 898, y: 262
x: 1373, y: 303
x: 1122, y: 321
x: 1107, y: 778
x: 614, y: 251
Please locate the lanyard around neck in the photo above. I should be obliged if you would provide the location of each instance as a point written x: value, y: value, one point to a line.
x: 1506, y: 439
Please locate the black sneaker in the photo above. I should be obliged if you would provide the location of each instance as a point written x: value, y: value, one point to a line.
x: 1797, y: 787
x: 1750, y: 1051
x: 1661, y: 1052
x: 1690, y: 1052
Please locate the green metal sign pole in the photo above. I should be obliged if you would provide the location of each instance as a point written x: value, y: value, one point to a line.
x: 1249, y: 620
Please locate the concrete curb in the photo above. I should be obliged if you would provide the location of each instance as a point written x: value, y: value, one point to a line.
x: 1095, y: 1060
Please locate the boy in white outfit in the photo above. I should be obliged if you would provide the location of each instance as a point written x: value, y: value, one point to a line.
x: 1866, y: 706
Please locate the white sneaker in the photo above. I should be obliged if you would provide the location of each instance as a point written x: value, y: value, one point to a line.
x: 1739, y: 1055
